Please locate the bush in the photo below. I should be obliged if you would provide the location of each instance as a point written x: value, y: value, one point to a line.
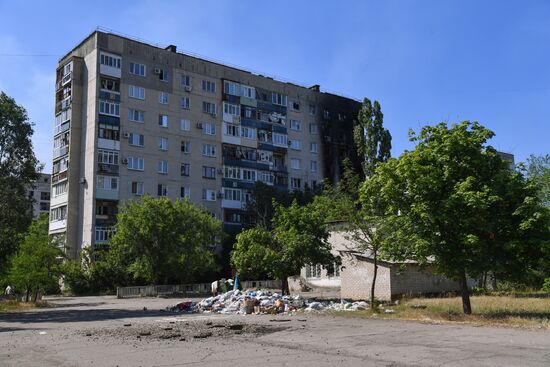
x: 546, y: 285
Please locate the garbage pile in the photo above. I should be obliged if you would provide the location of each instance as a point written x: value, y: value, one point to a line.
x: 262, y: 302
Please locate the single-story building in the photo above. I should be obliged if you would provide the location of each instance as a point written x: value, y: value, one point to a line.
x: 353, y: 277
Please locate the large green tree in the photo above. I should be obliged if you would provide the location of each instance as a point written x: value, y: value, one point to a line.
x: 18, y: 170
x: 160, y: 241
x: 538, y: 169
x: 453, y: 203
x: 299, y: 237
x: 36, y: 265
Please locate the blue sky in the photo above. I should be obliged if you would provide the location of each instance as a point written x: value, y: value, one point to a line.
x: 425, y: 61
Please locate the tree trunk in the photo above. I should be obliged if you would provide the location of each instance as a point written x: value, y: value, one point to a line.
x: 373, y: 285
x: 284, y: 285
x: 466, y: 306
x: 27, y: 295
x: 35, y: 295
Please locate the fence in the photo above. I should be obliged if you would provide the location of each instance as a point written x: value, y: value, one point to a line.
x: 188, y: 290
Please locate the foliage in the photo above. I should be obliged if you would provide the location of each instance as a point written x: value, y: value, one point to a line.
x: 160, y: 241
x: 546, y: 285
x: 372, y: 140
x: 35, y: 267
x: 18, y: 169
x: 299, y: 237
x: 452, y: 201
x: 538, y: 169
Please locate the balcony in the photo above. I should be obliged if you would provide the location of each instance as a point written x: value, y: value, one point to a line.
x: 66, y: 79
x: 103, y: 234
x: 232, y: 204
x: 108, y: 168
x: 58, y: 225
x: 60, y: 177
x: 61, y: 151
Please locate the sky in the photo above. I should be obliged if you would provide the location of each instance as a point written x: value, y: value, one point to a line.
x: 425, y: 61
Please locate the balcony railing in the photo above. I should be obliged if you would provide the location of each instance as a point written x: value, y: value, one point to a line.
x: 61, y: 151
x: 60, y: 177
x: 108, y: 168
x: 103, y: 234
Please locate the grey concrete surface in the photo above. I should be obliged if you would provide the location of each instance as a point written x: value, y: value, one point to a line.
x: 58, y: 337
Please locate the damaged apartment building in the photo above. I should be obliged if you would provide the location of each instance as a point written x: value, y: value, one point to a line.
x: 133, y: 119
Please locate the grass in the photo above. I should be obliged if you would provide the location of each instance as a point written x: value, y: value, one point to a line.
x: 16, y: 306
x: 486, y: 310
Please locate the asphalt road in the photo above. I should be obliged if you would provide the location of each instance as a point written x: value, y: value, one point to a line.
x: 90, y: 331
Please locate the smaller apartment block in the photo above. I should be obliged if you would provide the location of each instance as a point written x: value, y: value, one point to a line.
x: 40, y: 195
x: 135, y: 119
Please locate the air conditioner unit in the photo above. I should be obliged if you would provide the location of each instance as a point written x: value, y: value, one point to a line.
x: 289, y: 142
x: 199, y: 125
x: 126, y: 135
x: 188, y: 88
x: 124, y: 160
x: 157, y: 71
x: 82, y: 180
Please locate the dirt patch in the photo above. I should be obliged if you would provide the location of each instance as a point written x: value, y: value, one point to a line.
x: 179, y: 331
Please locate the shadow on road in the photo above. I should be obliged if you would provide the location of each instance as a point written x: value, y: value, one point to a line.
x: 56, y: 315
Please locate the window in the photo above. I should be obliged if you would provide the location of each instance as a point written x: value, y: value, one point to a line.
x: 313, y: 128
x: 103, y: 234
x: 208, y: 86
x: 312, y: 109
x: 185, y: 146
x: 265, y: 156
x: 249, y: 175
x: 59, y: 213
x: 163, y: 74
x: 232, y: 194
x: 295, y: 163
x: 135, y: 163
x: 208, y: 172
x: 44, y: 207
x: 162, y: 167
x: 185, y: 125
x: 295, y: 125
x: 44, y: 195
x: 136, y: 92
x: 60, y: 165
x: 249, y: 112
x: 232, y: 172
x: 326, y: 114
x: 296, y: 144
x: 231, y: 109
x: 136, y: 115
x: 137, y: 69
x: 109, y: 108
x: 185, y: 169
x: 162, y: 190
x: 231, y: 130
x: 110, y: 132
x: 163, y: 144
x: 248, y: 132
x: 313, y: 271
x: 208, y: 107
x: 59, y: 188
x: 136, y: 139
x: 295, y: 106
x: 209, y: 150
x: 107, y: 156
x: 109, y: 60
x: 136, y: 188
x: 266, y: 177
x: 163, y: 120
x: 208, y: 194
x: 163, y: 98
x: 280, y: 139
x: 231, y: 88
x: 107, y: 183
x: 185, y: 192
x: 110, y: 85
x: 248, y: 92
x: 313, y: 147
x: 313, y: 166
x: 295, y: 183
x: 278, y: 99
x: 208, y: 128
x: 185, y: 80
x: 185, y: 103
x: 265, y: 136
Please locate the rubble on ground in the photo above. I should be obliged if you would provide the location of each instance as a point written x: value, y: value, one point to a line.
x: 265, y: 302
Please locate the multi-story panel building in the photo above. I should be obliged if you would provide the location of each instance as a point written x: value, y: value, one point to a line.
x: 135, y: 119
x: 40, y: 195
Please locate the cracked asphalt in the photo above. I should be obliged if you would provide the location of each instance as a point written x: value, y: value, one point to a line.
x: 105, y: 331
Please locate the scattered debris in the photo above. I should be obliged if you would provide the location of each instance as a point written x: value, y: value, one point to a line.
x: 42, y: 333
x: 266, y: 302
x: 127, y: 324
x: 418, y: 306
x: 389, y: 311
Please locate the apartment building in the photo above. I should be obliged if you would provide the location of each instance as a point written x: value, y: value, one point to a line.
x: 135, y: 119
x: 40, y: 195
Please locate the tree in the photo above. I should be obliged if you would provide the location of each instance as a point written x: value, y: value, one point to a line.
x: 538, y: 170
x: 372, y: 140
x: 453, y: 203
x: 299, y: 237
x: 36, y: 265
x: 18, y: 170
x: 159, y: 241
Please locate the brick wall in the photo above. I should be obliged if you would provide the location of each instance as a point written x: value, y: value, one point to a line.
x: 413, y: 280
x: 356, y: 279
